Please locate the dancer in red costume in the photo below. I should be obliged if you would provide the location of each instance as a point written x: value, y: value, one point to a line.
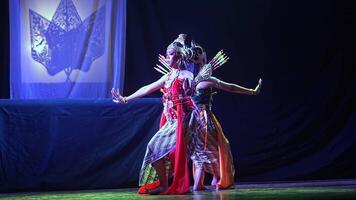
x: 181, y: 121
x: 211, y: 150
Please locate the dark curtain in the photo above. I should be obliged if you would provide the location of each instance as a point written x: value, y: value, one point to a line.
x: 68, y: 144
x: 302, y: 124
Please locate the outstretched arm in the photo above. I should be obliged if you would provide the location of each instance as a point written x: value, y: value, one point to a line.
x: 143, y: 91
x: 234, y: 88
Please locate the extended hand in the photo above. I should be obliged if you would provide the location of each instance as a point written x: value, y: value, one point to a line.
x: 257, y: 89
x: 116, y: 96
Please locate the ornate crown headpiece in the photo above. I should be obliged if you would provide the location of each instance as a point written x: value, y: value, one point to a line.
x: 195, y: 53
x: 180, y: 47
x: 198, y: 52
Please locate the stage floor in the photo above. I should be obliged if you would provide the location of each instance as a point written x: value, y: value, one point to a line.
x: 331, y: 189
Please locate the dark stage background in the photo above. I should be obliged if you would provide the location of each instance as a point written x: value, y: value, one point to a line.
x: 302, y: 124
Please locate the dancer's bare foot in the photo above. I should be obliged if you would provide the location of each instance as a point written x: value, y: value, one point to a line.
x: 157, y: 190
x: 215, y: 181
x: 199, y: 188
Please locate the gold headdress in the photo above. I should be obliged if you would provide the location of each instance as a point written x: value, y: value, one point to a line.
x: 198, y: 53
x: 179, y: 46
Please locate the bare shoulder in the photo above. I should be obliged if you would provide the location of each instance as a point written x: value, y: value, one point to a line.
x: 214, y: 79
x: 209, y: 83
x: 214, y: 82
x: 162, y: 80
x: 164, y: 77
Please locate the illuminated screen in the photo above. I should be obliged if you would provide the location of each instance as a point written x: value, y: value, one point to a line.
x: 66, y: 48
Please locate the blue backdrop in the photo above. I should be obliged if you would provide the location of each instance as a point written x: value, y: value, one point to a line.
x: 66, y: 49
